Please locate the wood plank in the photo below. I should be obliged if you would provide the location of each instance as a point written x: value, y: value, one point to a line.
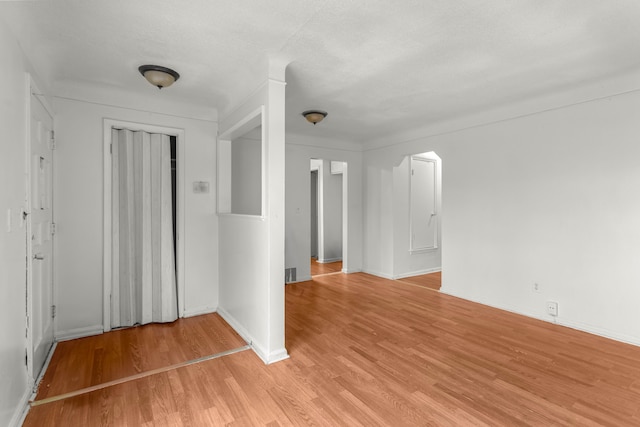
x: 370, y: 351
x: 90, y: 361
x: 318, y: 269
x: 431, y: 280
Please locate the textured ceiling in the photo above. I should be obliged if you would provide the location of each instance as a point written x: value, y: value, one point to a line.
x: 377, y: 67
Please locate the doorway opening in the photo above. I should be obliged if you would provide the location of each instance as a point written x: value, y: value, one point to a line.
x: 328, y: 231
x: 419, y: 259
x: 144, y: 205
x: 143, y: 228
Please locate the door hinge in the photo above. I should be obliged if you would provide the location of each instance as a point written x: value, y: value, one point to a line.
x: 26, y: 357
x: 412, y: 171
x: 53, y: 228
x: 111, y: 148
x: 53, y: 311
x: 52, y: 142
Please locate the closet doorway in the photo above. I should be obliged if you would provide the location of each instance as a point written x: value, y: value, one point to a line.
x: 143, y: 257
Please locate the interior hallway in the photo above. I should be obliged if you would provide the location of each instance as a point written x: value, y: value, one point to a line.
x: 318, y: 269
x: 371, y: 351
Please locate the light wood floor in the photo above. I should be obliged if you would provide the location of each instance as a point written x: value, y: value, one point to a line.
x: 431, y: 280
x: 325, y: 268
x: 89, y: 361
x: 369, y: 351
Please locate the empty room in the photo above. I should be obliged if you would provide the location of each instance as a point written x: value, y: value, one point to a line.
x: 319, y: 213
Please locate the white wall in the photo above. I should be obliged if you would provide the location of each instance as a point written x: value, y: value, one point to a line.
x: 378, y: 238
x: 548, y: 198
x: 79, y: 210
x: 14, y: 386
x: 299, y: 151
x: 246, y: 176
x: 252, y: 247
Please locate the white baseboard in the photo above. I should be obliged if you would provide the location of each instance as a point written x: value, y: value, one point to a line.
x: 598, y: 331
x: 328, y: 260
x: 258, y: 348
x: 22, y: 409
x: 418, y: 273
x: 377, y: 273
x: 199, y: 311
x: 590, y: 329
x: 350, y: 271
x: 71, y: 334
x: 278, y: 355
x: 304, y: 279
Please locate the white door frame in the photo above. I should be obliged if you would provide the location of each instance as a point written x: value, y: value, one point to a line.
x: 32, y: 90
x: 180, y: 210
x: 345, y: 210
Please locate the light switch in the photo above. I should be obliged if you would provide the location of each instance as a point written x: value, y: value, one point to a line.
x: 200, y: 186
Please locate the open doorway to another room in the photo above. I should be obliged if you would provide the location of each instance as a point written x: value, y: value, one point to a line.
x: 327, y: 211
x: 419, y: 260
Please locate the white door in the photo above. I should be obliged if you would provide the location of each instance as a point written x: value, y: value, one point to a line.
x: 39, y: 202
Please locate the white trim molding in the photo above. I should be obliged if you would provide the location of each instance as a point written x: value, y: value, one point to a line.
x: 71, y: 334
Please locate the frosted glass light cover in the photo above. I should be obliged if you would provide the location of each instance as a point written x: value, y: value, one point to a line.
x: 314, y: 116
x: 159, y: 78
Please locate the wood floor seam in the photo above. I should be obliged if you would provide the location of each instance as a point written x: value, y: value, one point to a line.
x: 416, y: 285
x: 137, y: 376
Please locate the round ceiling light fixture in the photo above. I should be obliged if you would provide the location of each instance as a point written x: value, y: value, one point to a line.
x: 314, y: 116
x: 158, y: 76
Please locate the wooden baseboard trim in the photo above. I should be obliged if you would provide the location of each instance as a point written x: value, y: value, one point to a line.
x: 136, y: 376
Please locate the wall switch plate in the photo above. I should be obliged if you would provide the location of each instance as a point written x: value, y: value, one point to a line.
x: 201, y: 187
x: 552, y: 308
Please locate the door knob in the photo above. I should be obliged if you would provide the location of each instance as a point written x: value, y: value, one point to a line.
x: 38, y: 257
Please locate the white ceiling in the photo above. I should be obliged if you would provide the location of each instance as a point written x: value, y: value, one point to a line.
x: 375, y: 66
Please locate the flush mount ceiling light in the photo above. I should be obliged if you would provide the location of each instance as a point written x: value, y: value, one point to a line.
x: 159, y: 76
x: 314, y: 116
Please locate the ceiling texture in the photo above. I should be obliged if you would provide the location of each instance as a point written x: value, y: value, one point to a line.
x: 376, y: 67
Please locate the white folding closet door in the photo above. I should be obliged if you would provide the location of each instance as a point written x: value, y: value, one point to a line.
x: 143, y: 259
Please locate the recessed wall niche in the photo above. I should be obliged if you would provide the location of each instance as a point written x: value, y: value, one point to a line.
x: 241, y: 168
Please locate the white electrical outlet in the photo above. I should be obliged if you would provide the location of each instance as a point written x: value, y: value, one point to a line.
x: 552, y: 308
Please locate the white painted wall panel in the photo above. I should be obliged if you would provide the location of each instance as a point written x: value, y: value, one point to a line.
x: 252, y: 248
x: 15, y: 387
x: 79, y: 181
x: 553, y: 201
x: 246, y: 176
